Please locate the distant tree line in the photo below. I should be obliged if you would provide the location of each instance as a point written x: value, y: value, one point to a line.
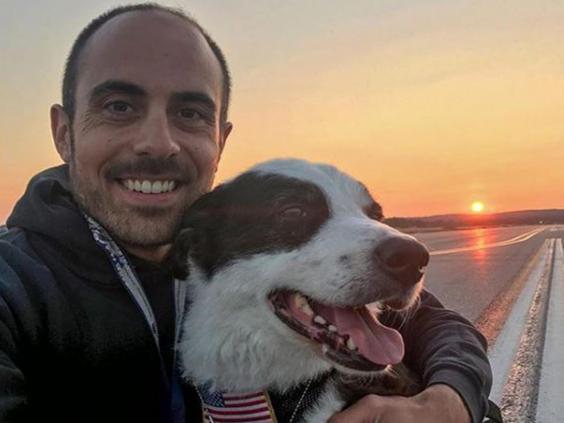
x: 454, y: 221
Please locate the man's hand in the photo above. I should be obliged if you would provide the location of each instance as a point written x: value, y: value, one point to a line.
x: 436, y: 404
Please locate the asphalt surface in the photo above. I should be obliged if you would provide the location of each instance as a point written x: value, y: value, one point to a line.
x: 510, y: 282
x: 480, y: 264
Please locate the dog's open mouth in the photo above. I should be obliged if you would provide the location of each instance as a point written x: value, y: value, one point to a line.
x: 351, y: 337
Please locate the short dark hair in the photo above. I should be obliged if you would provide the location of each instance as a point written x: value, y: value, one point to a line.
x: 71, y: 66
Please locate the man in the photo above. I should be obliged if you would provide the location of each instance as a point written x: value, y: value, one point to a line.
x: 88, y: 316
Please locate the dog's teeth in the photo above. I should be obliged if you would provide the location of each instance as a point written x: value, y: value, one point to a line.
x: 325, y: 349
x: 332, y: 328
x: 301, y: 302
x: 307, y: 309
x: 320, y: 320
x: 351, y: 345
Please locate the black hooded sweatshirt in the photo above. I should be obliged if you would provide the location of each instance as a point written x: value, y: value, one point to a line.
x: 74, y: 346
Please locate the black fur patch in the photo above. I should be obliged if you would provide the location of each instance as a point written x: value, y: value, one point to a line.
x: 254, y: 213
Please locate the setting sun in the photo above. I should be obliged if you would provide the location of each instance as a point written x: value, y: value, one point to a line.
x: 477, y: 206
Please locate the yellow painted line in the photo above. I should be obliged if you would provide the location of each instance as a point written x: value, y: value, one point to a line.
x: 520, y: 238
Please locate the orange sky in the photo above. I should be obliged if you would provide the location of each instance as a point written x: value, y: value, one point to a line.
x: 432, y: 104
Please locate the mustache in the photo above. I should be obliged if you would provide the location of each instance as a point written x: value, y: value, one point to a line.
x: 149, y: 166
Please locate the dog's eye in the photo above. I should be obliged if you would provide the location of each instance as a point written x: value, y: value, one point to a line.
x: 292, y: 213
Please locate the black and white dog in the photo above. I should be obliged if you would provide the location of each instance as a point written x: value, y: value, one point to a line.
x: 288, y: 266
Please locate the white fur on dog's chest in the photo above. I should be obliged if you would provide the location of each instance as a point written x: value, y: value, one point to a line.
x: 232, y: 348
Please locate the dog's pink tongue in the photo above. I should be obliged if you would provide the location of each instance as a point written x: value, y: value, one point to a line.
x: 376, y: 342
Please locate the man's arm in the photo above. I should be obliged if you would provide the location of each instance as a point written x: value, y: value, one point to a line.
x: 445, y: 348
x: 13, y: 398
x: 449, y: 354
x: 12, y: 387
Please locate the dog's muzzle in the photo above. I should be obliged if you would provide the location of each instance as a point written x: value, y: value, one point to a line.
x: 349, y: 336
x: 352, y: 336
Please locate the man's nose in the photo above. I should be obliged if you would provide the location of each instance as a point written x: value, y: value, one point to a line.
x: 156, y: 137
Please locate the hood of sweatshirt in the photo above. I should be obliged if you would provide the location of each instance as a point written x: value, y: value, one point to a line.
x: 55, y: 225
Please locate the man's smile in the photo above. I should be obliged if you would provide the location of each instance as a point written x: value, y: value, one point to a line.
x: 149, y: 187
x: 142, y: 191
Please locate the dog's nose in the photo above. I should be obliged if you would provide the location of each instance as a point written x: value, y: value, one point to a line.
x: 403, y: 259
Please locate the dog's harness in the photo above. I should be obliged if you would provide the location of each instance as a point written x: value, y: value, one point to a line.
x: 248, y: 406
x: 275, y: 407
x: 291, y: 406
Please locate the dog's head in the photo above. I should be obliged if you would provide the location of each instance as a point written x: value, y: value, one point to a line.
x: 282, y: 262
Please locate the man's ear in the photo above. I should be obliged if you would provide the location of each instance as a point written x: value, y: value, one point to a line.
x: 225, y: 131
x: 61, y: 132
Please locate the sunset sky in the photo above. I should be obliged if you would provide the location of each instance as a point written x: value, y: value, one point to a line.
x: 433, y: 104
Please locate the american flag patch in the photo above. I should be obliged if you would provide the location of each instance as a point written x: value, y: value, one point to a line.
x: 223, y: 407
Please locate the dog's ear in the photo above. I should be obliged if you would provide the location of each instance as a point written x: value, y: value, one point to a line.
x: 193, y: 239
x: 177, y: 258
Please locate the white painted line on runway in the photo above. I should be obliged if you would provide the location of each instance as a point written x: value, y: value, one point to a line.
x: 520, y: 238
x: 502, y: 353
x: 550, y: 407
x: 520, y: 393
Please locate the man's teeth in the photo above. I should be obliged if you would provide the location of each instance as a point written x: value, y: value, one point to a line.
x: 149, y: 187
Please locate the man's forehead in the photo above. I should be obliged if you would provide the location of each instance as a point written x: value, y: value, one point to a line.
x: 157, y: 22
x: 150, y: 47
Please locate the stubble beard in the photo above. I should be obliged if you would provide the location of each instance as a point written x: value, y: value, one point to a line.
x: 147, y: 227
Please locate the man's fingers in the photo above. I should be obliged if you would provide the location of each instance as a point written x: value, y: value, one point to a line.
x: 437, y: 403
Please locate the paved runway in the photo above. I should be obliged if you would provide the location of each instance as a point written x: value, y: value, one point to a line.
x: 510, y: 282
x: 488, y: 262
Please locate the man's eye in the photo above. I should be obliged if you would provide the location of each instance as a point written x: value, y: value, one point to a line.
x: 190, y: 114
x: 118, y: 107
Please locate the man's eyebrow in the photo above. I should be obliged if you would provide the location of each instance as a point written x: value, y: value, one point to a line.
x: 194, y: 97
x: 113, y: 86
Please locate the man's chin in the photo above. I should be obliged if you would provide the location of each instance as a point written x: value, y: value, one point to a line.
x: 150, y: 227
x: 147, y: 235
x: 146, y: 230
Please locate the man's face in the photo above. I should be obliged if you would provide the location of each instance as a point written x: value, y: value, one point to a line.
x: 146, y: 136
